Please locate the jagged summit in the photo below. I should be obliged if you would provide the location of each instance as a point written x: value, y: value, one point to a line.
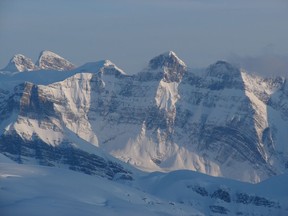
x: 51, y: 61
x: 19, y: 63
x: 47, y: 61
x: 223, y: 70
x: 168, y: 59
x: 104, y: 66
x: 167, y: 66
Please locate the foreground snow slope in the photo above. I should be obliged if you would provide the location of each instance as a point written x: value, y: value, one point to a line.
x: 35, y: 190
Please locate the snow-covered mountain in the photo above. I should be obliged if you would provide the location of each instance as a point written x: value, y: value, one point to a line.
x: 39, y: 190
x: 47, y: 60
x: 221, y: 121
x: 51, y: 61
x: 20, y: 63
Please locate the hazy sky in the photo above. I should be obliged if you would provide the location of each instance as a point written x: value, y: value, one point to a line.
x: 131, y: 32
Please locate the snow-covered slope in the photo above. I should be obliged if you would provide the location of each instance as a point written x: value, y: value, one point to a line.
x: 218, y: 196
x: 38, y: 190
x: 35, y: 190
x: 220, y: 121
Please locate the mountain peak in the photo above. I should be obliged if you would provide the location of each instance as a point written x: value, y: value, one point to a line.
x: 167, y: 66
x: 222, y: 69
x: 168, y: 59
x: 104, y: 66
x: 48, y: 52
x: 49, y: 60
x: 107, y: 63
x: 19, y: 63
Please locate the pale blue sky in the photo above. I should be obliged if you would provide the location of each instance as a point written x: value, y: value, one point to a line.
x: 130, y: 32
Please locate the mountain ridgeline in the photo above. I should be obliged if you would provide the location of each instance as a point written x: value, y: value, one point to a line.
x: 221, y: 121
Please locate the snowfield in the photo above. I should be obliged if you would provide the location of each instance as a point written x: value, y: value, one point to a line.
x: 35, y: 190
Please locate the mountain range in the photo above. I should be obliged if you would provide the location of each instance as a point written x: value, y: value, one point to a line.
x: 221, y: 121
x: 97, y: 120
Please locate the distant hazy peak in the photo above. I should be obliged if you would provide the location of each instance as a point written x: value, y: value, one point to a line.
x: 19, y: 63
x: 49, y: 60
x: 222, y: 69
x: 168, y: 59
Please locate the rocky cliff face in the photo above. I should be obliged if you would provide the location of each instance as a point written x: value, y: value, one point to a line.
x: 220, y: 121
